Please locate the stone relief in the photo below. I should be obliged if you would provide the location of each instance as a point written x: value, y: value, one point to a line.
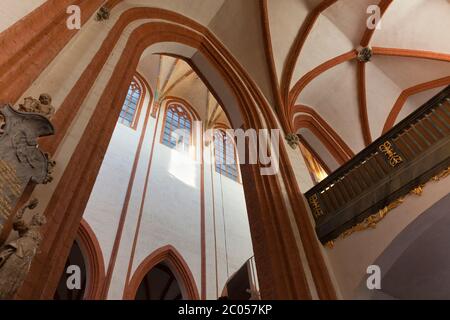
x: 43, y: 105
x: 21, y: 160
x: 17, y: 255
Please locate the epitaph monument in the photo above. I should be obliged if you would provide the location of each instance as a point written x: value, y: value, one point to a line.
x: 21, y: 160
x: 21, y: 163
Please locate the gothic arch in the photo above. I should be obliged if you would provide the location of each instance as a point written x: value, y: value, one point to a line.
x: 169, y: 255
x: 306, y: 117
x: 94, y: 260
x: 276, y: 248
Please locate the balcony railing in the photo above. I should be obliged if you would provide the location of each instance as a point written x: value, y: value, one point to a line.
x: 408, y: 155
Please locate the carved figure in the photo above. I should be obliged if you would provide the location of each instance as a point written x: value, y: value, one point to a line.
x: 42, y: 106
x: 16, y: 256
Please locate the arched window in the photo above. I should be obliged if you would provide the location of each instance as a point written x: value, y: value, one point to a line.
x: 225, y: 155
x: 177, y: 128
x: 130, y: 106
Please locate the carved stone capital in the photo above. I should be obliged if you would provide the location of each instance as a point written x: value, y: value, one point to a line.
x: 103, y: 14
x: 293, y: 140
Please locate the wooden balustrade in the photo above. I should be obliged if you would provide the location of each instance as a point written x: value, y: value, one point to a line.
x: 408, y: 155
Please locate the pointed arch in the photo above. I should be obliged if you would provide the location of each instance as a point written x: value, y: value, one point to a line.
x: 278, y: 250
x: 93, y: 255
x: 306, y: 117
x: 173, y: 258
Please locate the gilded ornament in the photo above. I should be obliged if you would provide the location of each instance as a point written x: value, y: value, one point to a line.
x: 372, y: 221
x: 393, y: 158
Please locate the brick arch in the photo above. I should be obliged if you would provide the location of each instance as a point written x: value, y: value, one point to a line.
x: 167, y: 254
x: 280, y: 266
x: 306, y: 117
x: 94, y: 261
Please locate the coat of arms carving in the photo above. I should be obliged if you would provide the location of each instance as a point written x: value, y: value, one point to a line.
x: 21, y: 160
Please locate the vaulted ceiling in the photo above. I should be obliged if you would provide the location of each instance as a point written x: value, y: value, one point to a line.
x: 171, y: 77
x: 302, y: 54
x: 314, y: 49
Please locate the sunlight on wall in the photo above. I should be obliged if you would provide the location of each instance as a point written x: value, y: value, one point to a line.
x: 182, y: 166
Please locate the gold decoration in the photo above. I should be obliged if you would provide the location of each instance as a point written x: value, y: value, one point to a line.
x: 330, y: 244
x: 442, y: 175
x: 418, y: 190
x: 372, y: 221
x: 393, y: 158
x: 315, y: 206
x: 9, y: 187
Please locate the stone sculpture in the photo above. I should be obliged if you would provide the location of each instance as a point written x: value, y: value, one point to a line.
x: 21, y: 160
x: 43, y: 105
x: 17, y: 255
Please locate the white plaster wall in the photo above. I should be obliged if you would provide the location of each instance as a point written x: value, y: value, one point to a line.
x: 234, y: 246
x: 170, y: 210
x: 351, y: 256
x: 107, y: 198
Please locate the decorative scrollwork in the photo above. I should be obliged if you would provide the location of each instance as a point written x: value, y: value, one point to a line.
x: 315, y: 206
x: 392, y: 156
x: 418, y: 190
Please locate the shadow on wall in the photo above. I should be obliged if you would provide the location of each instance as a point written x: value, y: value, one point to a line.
x: 416, y: 265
